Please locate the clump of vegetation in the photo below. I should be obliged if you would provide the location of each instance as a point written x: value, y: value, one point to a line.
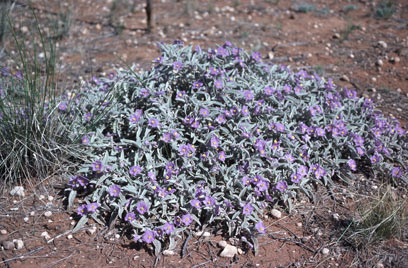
x: 385, y: 10
x: 210, y: 139
x: 34, y: 139
x: 382, y: 218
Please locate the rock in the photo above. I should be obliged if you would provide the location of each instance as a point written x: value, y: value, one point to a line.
x: 336, y: 216
x: 98, y: 27
x: 50, y: 198
x: 299, y: 224
x: 325, y: 251
x: 351, y: 56
x: 26, y: 219
x: 48, y: 214
x: 270, y: 55
x: 32, y: 213
x: 24, y: 29
x: 168, y: 252
x: 8, y: 245
x: 19, y: 244
x: 3, y: 232
x: 206, y: 234
x: 229, y: 251
x: 382, y: 44
x: 379, y: 265
x: 379, y: 62
x: 198, y: 234
x: 240, y: 251
x: 395, y: 60
x: 222, y: 244
x: 17, y: 190
x: 69, y: 236
x: 276, y: 213
x: 45, y: 235
x: 345, y: 78
x: 41, y: 197
x: 91, y: 230
x: 336, y: 36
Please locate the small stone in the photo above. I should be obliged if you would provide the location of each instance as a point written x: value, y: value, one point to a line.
x: 41, y: 197
x: 306, y: 238
x: 26, y: 219
x: 299, y: 224
x: 336, y: 216
x: 240, y: 251
x: 379, y: 265
x: 229, y: 251
x: 222, y: 244
x: 18, y: 190
x: 91, y: 230
x: 276, y: 213
x: 135, y: 257
x: 309, y: 55
x: 13, y: 209
x: 98, y: 27
x: 382, y: 44
x: 373, y: 79
x: 325, y: 251
x: 3, y: 232
x: 345, y: 78
x: 45, y: 235
x: 48, y: 214
x: 168, y: 252
x: 374, y: 187
x: 336, y: 36
x: 379, y: 62
x: 271, y: 55
x: 50, y: 198
x: 198, y: 234
x: 351, y: 56
x: 117, y: 236
x: 8, y: 245
x: 69, y: 236
x: 24, y: 29
x: 395, y: 60
x: 32, y: 213
x: 19, y: 244
x: 206, y: 234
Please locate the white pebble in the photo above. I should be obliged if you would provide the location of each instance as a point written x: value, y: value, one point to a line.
x: 32, y: 213
x: 19, y: 244
x: 240, y: 251
x: 91, y: 230
x: 229, y: 251
x: 69, y: 236
x: 168, y: 252
x: 45, y: 235
x: 276, y: 213
x: 26, y: 219
x: 18, y: 190
x: 325, y: 251
x: 3, y: 232
x: 41, y: 197
x: 50, y: 198
x: 117, y: 236
x: 222, y: 244
x: 206, y: 234
x: 382, y: 44
x: 48, y: 214
x: 336, y: 216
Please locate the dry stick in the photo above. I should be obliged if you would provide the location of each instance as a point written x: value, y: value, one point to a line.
x: 183, y: 251
x: 149, y: 15
x: 22, y: 255
x: 60, y: 260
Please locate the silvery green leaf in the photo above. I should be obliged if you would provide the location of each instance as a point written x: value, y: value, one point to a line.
x: 80, y: 223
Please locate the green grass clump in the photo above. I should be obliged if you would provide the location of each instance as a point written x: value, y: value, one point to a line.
x: 385, y: 10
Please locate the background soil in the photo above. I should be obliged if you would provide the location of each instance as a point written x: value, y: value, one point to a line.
x: 347, y: 40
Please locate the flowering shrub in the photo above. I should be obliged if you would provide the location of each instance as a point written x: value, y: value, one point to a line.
x: 214, y: 138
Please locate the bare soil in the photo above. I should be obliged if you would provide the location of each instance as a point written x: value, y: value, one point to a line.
x: 337, y: 38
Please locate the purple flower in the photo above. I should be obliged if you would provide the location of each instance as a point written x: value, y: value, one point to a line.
x: 88, y: 116
x: 62, y: 106
x: 287, y: 89
x: 85, y: 140
x: 204, y: 112
x: 280, y: 127
x: 195, y: 203
x: 114, y: 190
x: 221, y: 156
x: 248, y: 208
x: 256, y: 56
x: 92, y: 207
x: 144, y: 92
x: 375, y: 159
x: 195, y: 124
x: 215, y: 141
x: 360, y: 151
x: 168, y: 228
x: 135, y: 170
x: 148, y: 236
x: 296, y: 178
x: 320, y: 132
x: 180, y: 94
x: 130, y: 217
x: 197, y: 85
x: 246, y: 180
x: 262, y: 185
x: 249, y: 95
x: 221, y: 119
x: 260, y: 227
x: 77, y: 182
x: 159, y: 59
x: 97, y: 166
x: 186, y: 219
x: 269, y: 91
x: 153, y: 122
x: 281, y: 186
x: 352, y: 164
x: 396, y: 172
x: 134, y: 118
x: 302, y: 170
x: 177, y: 65
x: 166, y: 137
x: 82, y: 210
x: 218, y: 84
x: 209, y: 201
x: 142, y: 207
x: 183, y: 150
x: 320, y: 172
